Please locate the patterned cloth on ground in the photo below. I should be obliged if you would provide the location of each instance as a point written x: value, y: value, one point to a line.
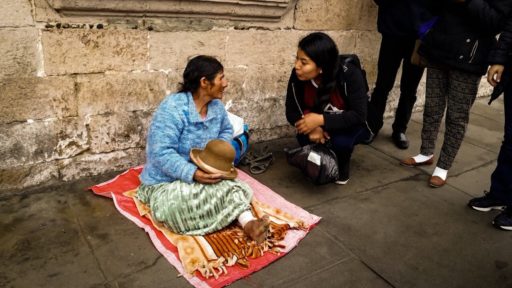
x: 220, y: 258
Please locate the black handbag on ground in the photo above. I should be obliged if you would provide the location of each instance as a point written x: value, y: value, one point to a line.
x: 317, y: 161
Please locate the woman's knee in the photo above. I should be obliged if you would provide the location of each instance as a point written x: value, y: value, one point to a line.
x: 342, y: 144
x: 302, y: 139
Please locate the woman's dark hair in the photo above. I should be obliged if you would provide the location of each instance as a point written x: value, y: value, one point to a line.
x: 197, y: 68
x: 323, y: 51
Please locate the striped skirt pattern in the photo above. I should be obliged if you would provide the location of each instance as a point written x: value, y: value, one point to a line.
x: 196, y: 209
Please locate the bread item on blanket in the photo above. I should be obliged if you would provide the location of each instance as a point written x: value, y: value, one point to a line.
x: 257, y: 229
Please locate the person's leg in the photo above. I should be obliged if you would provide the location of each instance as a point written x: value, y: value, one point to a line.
x: 387, y: 68
x: 501, y: 178
x: 302, y: 139
x: 501, y: 181
x: 435, y: 104
x: 343, y: 145
x: 500, y: 193
x: 344, y: 165
x: 462, y: 93
x: 411, y: 77
x: 195, y: 208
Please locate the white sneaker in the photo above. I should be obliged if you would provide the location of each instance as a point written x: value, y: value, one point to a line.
x: 341, y: 182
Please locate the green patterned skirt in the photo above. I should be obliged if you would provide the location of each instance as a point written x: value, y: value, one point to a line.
x: 196, y: 209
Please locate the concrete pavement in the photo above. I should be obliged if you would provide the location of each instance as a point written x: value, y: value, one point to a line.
x: 385, y: 228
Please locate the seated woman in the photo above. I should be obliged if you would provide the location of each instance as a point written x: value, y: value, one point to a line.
x: 327, y: 100
x: 186, y: 199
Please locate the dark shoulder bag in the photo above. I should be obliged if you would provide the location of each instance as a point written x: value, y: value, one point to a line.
x: 317, y: 161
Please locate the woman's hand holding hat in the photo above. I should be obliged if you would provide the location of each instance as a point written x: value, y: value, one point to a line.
x: 215, y: 159
x: 206, y: 178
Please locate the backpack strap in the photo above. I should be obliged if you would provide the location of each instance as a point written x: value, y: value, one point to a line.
x: 345, y: 59
x: 354, y: 59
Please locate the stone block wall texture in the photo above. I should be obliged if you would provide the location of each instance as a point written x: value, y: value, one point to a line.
x: 77, y: 92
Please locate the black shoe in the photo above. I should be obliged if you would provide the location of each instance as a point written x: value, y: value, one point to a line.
x: 504, y: 220
x: 400, y: 140
x: 486, y: 203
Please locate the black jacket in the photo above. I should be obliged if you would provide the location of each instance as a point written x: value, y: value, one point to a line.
x: 502, y: 52
x: 352, y: 90
x: 464, y: 33
x: 400, y: 18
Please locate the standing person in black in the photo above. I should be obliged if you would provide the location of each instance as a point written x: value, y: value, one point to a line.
x: 500, y: 76
x: 397, y: 23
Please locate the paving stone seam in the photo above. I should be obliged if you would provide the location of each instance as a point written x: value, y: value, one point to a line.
x: 377, y: 273
x: 87, y: 242
x: 474, y: 168
x: 149, y: 266
x: 367, y: 190
x: 55, y: 184
x: 339, y: 242
x: 470, y: 142
x: 386, y: 154
x: 287, y: 283
x: 488, y: 118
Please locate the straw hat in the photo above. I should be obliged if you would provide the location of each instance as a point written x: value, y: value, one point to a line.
x: 217, y: 157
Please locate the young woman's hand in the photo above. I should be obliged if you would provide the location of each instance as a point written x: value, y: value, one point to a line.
x: 317, y: 135
x: 494, y: 74
x: 206, y: 178
x: 309, y: 122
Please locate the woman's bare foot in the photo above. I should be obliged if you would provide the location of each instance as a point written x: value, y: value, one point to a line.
x: 257, y: 229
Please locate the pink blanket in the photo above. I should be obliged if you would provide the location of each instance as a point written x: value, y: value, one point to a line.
x: 207, y: 266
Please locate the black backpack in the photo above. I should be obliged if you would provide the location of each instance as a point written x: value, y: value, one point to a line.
x: 354, y: 59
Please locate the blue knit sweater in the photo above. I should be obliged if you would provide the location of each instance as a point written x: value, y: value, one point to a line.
x: 175, y: 129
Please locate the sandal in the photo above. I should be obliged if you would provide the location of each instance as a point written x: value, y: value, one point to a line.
x: 253, y: 154
x: 261, y: 164
x: 258, y: 163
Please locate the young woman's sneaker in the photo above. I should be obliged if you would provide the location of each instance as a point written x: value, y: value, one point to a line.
x: 341, y: 182
x: 486, y: 203
x: 504, y: 220
x: 344, y: 170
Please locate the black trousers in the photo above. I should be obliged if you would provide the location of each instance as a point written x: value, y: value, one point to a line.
x: 501, y: 178
x: 393, y: 52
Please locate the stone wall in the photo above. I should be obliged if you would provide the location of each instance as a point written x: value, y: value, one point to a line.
x: 77, y: 91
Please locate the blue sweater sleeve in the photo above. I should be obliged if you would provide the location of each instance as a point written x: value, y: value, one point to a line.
x: 226, y: 129
x: 163, y: 141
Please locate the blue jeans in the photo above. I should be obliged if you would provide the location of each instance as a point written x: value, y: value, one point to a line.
x: 501, y: 178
